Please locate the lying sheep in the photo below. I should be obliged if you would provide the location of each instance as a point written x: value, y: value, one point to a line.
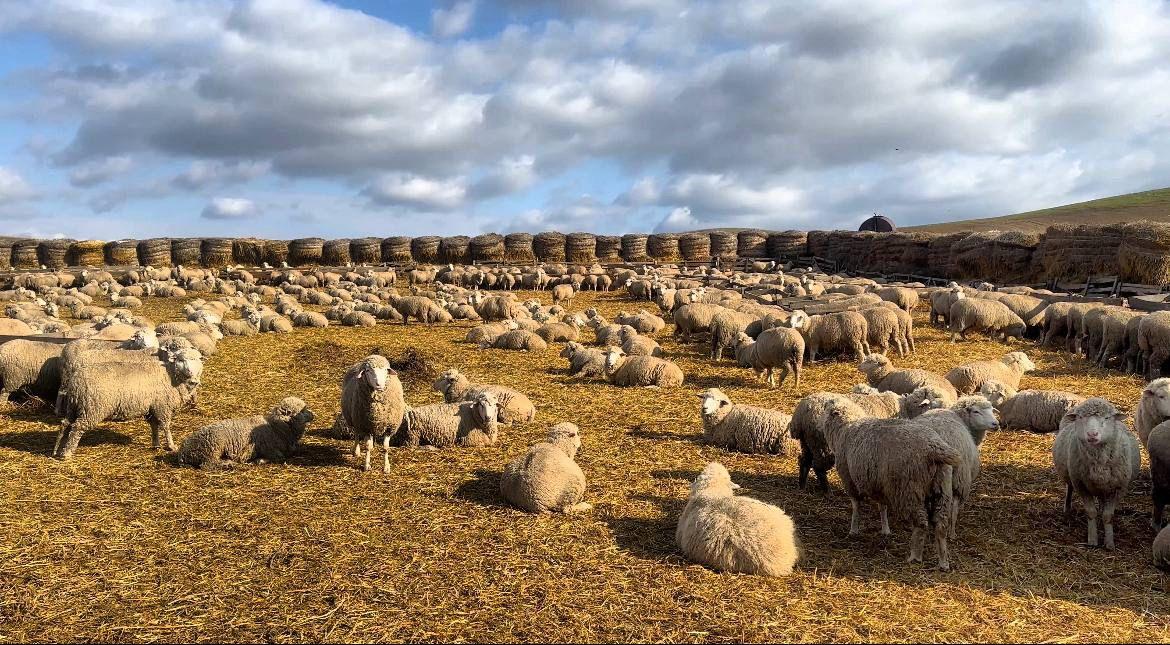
x: 643, y: 321
x: 1161, y: 554
x: 646, y: 371
x: 1034, y: 410
x: 309, y: 319
x: 488, y: 333
x: 275, y: 324
x: 980, y: 315
x: 517, y: 339
x: 735, y: 534
x: 1009, y: 369
x: 781, y: 347
x: 635, y: 344
x: 745, y: 428
x: 843, y: 332
x: 1153, y: 408
x: 513, y: 406
x: 963, y: 426
x: 1096, y: 457
x: 607, y: 334
x: 247, y: 325
x: 358, y: 319
x: 442, y: 425
x: 546, y: 479
x: 880, y: 373
x: 584, y: 361
x: 556, y: 332
x: 255, y: 439
x: 372, y: 405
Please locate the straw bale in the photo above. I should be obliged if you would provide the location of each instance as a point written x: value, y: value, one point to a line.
x: 121, y: 253
x: 366, y: 250
x: 247, y: 251
x: 216, y: 251
x: 1074, y: 252
x: 695, y: 247
x: 1144, y: 253
x: 24, y: 254
x: 155, y: 252
x: 549, y: 246
x: 634, y: 247
x: 396, y: 249
x: 86, y: 253
x: 786, y: 244
x: 663, y: 247
x: 425, y: 249
x: 187, y: 251
x: 724, y: 244
x: 306, y: 250
x: 752, y: 244
x: 335, y: 253
x: 276, y: 252
x: 6, y: 253
x: 455, y: 249
x: 488, y: 247
x: 581, y: 248
x: 518, y: 248
x: 609, y: 248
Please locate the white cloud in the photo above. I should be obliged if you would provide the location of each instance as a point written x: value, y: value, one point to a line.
x: 230, y: 208
x: 417, y: 192
x: 453, y: 21
x: 13, y: 187
x: 202, y: 174
x: 97, y: 172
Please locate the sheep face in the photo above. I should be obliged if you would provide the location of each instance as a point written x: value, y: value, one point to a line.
x: 376, y: 373
x: 873, y: 363
x: 295, y: 411
x: 565, y: 430
x: 186, y: 365
x: 979, y: 413
x: 613, y: 358
x: 487, y: 408
x: 1094, y: 427
x: 798, y: 320
x: 143, y: 339
x: 1158, y: 392
x: 570, y: 349
x: 996, y: 392
x: 714, y: 480
x: 1021, y: 359
x: 713, y: 400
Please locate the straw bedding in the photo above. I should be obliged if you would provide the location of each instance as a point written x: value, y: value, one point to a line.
x: 122, y: 545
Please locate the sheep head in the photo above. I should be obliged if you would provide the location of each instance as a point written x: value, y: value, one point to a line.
x: 863, y: 388
x: 486, y: 408
x: 293, y: 411
x: 873, y: 364
x: 375, y: 372
x: 714, y: 480
x: 614, y: 357
x: 1096, y: 422
x: 713, y: 400
x: 798, y: 319
x: 1157, y: 394
x: 1019, y: 359
x: 996, y: 392
x: 567, y: 435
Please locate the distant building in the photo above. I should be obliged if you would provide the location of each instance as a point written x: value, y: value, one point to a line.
x: 878, y: 224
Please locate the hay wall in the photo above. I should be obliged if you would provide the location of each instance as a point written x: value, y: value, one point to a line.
x: 455, y: 249
x: 487, y: 248
x: 752, y: 244
x: 86, y: 253
x: 786, y: 244
x: 120, y: 253
x: 51, y: 253
x: 581, y: 248
x: 549, y: 246
x: 425, y: 249
x: 1068, y: 252
x: 155, y: 252
x: 724, y: 245
x: 695, y: 247
x: 1144, y: 253
x: 216, y: 252
x: 663, y: 247
x: 634, y: 247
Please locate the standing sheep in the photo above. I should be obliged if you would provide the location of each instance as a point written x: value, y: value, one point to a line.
x: 259, y: 439
x: 514, y: 406
x: 1008, y: 370
x: 904, y: 297
x: 963, y: 426
x: 442, y: 425
x: 847, y: 331
x: 562, y: 294
x: 981, y: 315
x: 884, y: 330
x: 694, y: 318
x: 1153, y: 408
x: 1158, y: 446
x: 941, y: 301
x: 646, y: 371
x: 735, y: 534
x: 1097, y: 458
x: 546, y: 479
x: 372, y: 405
x: 745, y: 428
x: 30, y: 365
x: 726, y: 327
x: 781, y: 347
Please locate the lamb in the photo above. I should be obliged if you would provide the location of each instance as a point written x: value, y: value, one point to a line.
x: 562, y: 294
x: 584, y: 361
x: 635, y: 344
x: 978, y: 314
x: 745, y: 428
x: 517, y: 339
x: 32, y: 366
x: 1097, y: 457
x: 1008, y: 370
x: 735, y: 534
x: 880, y: 373
x: 643, y: 321
x: 255, y: 439
x: 1033, y: 410
x: 902, y: 466
x: 372, y: 405
x: 546, y: 479
x: 442, y: 425
x: 694, y: 318
x: 1153, y: 408
x: 847, y: 331
x: 725, y: 327
x: 513, y: 406
x: 781, y: 347
x: 121, y: 391
x: 1158, y: 446
x: 904, y: 297
x: 646, y: 371
x: 963, y: 426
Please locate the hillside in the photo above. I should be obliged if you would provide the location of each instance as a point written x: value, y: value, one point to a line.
x: 1153, y: 205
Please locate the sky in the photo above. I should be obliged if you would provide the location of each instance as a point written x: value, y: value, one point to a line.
x: 294, y: 118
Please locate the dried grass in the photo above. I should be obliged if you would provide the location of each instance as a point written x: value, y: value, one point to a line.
x: 122, y: 545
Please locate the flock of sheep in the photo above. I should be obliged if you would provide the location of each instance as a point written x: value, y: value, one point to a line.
x: 906, y: 441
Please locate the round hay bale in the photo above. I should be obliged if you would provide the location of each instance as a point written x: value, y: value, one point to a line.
x: 787, y: 244
x: 306, y: 250
x: 51, y: 253
x: 276, y: 252
x: 24, y: 254
x: 6, y: 253
x: 85, y: 253
x: 663, y: 247
x: 549, y: 246
x: 488, y: 247
x: 455, y: 249
x: 695, y: 247
x: 425, y: 249
x: 581, y: 248
x: 216, y: 251
x: 724, y: 244
x: 248, y: 251
x: 187, y: 251
x: 1144, y: 254
x: 396, y: 249
x: 609, y: 248
x: 518, y: 248
x: 634, y: 247
x: 120, y: 253
x: 335, y: 253
x: 752, y: 244
x: 366, y: 250
x: 155, y: 252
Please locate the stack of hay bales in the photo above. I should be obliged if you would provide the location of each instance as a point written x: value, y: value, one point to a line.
x: 1075, y: 252
x: 51, y: 253
x: 276, y: 252
x: 939, y: 260
x: 455, y: 249
x: 581, y: 248
x: 85, y: 253
x: 786, y: 244
x: 24, y: 254
x: 1144, y: 254
x: 216, y: 252
x: 155, y: 252
x: 695, y: 247
x: 817, y: 243
x: 752, y: 244
x: 634, y: 247
x: 549, y: 246
x: 186, y: 251
x: 999, y: 256
x: 335, y: 253
x: 518, y: 248
x: 6, y: 253
x: 366, y: 250
x: 121, y: 253
x: 915, y: 251
x: 306, y: 250
x: 609, y: 248
x: 663, y: 247
x: 396, y: 249
x: 488, y: 247
x: 425, y: 249
x: 248, y: 251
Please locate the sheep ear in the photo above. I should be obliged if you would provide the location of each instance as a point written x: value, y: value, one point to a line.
x: 1147, y: 393
x: 390, y: 371
x: 1119, y: 417
x: 361, y: 374
x: 1071, y: 416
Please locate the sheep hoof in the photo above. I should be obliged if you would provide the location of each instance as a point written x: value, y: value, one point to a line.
x: 944, y: 567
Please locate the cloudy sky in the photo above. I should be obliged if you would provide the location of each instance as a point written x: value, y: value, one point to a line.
x: 287, y: 118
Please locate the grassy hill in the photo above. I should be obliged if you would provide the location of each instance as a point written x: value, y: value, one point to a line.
x: 1153, y: 205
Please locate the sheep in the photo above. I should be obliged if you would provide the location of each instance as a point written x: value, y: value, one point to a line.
x: 420, y: 308
x: 275, y: 323
x: 1158, y: 446
x: 647, y: 371
x: 1096, y: 457
x: 694, y: 318
x: 904, y: 297
x: 142, y: 347
x: 745, y: 428
x: 1161, y: 555
x: 941, y: 301
x: 781, y: 347
x: 546, y: 479
x: 883, y: 330
x: 562, y: 294
x: 30, y: 365
x: 122, y: 391
x: 1153, y: 407
x: 1008, y: 370
x: 358, y: 319
x: 247, y: 325
x: 514, y: 406
x: 1054, y: 322
x: 845, y: 331
x: 1153, y: 339
x: 255, y: 439
x: 1116, y: 329
x: 126, y: 302
x: 978, y: 314
x: 372, y: 405
x: 1034, y: 410
x: 735, y: 534
x: 1075, y: 319
x: 584, y: 361
x: 488, y: 333
x: 963, y: 426
x: 902, y: 466
x: 202, y: 341
x: 308, y: 319
x: 561, y: 331
x: 471, y: 423
x: 13, y: 327
x: 494, y: 308
x: 643, y: 321
x: 605, y: 333
x: 725, y: 328
x: 517, y: 339
x: 880, y: 373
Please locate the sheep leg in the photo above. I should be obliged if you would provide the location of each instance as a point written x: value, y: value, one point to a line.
x: 1068, y: 495
x: 1154, y: 363
x: 855, y: 520
x: 1090, y: 504
x: 771, y: 378
x: 884, y: 512
x: 162, y: 421
x: 4, y: 394
x: 76, y: 430
x: 803, y: 464
x: 1107, y: 509
x: 954, y: 519
x: 357, y: 447
x: 822, y: 480
x: 940, y: 544
x: 369, y: 450
x: 61, y: 434
x: 386, y: 454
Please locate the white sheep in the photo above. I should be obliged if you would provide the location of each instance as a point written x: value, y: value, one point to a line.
x: 880, y: 373
x: 513, y: 406
x: 963, y: 426
x: 372, y: 405
x: 1034, y: 410
x: 255, y: 439
x: 745, y: 428
x: 546, y: 478
x: 646, y: 371
x: 1153, y: 408
x: 584, y: 361
x: 442, y: 425
x: 781, y: 347
x: 1009, y: 369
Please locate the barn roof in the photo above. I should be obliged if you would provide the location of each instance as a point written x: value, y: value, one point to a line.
x: 878, y: 224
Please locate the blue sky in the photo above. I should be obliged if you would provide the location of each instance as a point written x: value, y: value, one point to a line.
x: 288, y: 118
